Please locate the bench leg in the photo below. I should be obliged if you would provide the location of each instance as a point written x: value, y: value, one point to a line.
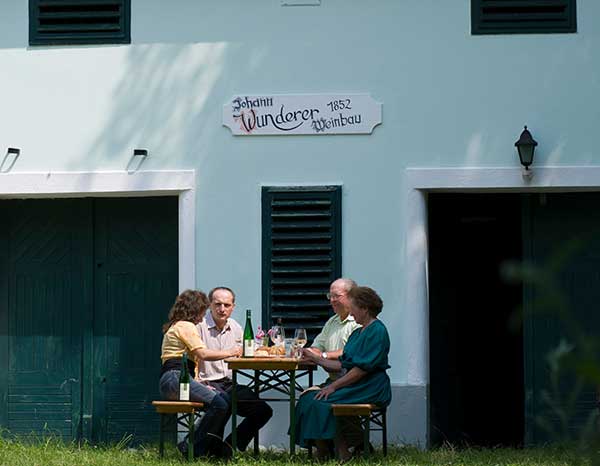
x: 384, y: 432
x: 191, y: 436
x: 366, y: 436
x: 161, y: 436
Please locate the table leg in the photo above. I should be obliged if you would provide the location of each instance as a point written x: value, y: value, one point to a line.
x: 234, y: 401
x: 256, y: 392
x: 292, y: 412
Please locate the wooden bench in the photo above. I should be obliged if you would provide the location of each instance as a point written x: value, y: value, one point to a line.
x: 185, y: 412
x: 368, y: 414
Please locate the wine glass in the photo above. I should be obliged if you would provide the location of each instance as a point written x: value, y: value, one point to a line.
x: 300, y: 337
x: 277, y: 335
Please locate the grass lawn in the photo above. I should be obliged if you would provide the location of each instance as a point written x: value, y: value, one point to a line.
x: 52, y: 453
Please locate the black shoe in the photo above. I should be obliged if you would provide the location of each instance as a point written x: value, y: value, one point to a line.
x: 183, y: 448
x: 358, y: 450
x: 217, y: 448
x: 226, y: 452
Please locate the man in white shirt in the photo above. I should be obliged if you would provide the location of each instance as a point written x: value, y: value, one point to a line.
x: 219, y: 332
x: 330, y: 343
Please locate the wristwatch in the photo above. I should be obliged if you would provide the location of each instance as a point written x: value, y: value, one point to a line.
x: 324, y: 354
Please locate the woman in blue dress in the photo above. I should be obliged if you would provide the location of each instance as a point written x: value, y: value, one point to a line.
x: 364, y: 363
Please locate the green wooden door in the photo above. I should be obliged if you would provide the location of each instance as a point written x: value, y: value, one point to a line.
x: 562, y: 237
x: 135, y: 285
x: 43, y: 306
x: 85, y: 285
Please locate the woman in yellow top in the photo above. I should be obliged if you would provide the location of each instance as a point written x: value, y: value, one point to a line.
x: 181, y: 335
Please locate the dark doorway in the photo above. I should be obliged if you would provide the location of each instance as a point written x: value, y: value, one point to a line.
x: 476, y: 343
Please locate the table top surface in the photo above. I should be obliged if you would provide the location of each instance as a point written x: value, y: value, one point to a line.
x: 269, y: 363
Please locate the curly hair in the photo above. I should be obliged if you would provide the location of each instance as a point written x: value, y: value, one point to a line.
x: 366, y: 298
x: 188, y: 305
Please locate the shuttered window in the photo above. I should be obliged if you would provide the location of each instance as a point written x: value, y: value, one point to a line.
x: 523, y: 16
x: 72, y: 22
x: 301, y: 254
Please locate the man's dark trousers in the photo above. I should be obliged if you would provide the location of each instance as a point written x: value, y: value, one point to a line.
x: 256, y: 412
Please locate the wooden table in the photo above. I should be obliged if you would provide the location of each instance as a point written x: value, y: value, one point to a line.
x: 269, y: 373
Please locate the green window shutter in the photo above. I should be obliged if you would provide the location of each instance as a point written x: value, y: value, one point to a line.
x: 301, y: 243
x: 73, y: 22
x: 523, y: 16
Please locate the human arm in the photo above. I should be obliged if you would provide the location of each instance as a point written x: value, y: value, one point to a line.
x: 330, y: 365
x: 365, y: 352
x: 196, y: 347
x: 216, y: 355
x: 350, y: 377
x: 333, y: 337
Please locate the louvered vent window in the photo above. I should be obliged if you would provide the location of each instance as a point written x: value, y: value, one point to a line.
x: 523, y: 16
x: 71, y: 22
x: 301, y: 255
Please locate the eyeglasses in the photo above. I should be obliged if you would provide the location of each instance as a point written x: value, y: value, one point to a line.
x: 334, y: 296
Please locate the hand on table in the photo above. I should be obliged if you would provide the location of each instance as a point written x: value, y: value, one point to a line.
x: 308, y: 354
x: 236, y: 352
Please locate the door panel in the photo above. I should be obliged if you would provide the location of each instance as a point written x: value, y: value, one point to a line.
x: 136, y: 283
x: 564, y: 242
x: 45, y: 287
x: 85, y: 286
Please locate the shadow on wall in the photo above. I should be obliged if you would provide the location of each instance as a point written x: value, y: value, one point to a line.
x: 168, y: 100
x: 164, y: 102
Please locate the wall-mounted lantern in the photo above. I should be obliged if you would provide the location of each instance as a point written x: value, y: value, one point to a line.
x: 526, y: 147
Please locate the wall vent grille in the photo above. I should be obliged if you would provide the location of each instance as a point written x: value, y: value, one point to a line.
x: 74, y: 22
x: 523, y: 16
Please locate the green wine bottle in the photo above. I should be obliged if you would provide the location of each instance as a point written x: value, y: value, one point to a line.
x: 184, y: 379
x: 248, y: 351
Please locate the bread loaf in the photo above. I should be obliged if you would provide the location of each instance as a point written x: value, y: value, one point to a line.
x: 277, y: 351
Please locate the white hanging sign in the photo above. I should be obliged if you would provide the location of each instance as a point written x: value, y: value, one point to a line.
x: 254, y: 115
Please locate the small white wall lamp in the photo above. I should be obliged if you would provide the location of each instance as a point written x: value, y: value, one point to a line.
x: 11, y: 156
x: 136, y: 160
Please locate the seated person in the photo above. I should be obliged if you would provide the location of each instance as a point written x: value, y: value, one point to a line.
x: 329, y: 343
x: 220, y: 332
x: 181, y: 335
x: 365, y: 358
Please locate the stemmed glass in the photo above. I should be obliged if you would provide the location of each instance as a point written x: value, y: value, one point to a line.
x: 300, y: 339
x: 277, y: 335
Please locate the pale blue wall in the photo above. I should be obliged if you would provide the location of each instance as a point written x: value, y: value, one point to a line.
x: 449, y: 100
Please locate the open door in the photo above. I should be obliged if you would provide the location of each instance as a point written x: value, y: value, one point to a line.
x: 476, y: 351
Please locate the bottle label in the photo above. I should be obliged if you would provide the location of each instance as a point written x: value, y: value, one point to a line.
x: 248, y: 348
x: 184, y: 392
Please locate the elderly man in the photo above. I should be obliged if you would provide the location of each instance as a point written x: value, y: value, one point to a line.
x: 219, y: 332
x: 329, y: 344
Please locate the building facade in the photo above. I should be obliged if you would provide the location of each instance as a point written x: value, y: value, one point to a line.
x: 134, y: 167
